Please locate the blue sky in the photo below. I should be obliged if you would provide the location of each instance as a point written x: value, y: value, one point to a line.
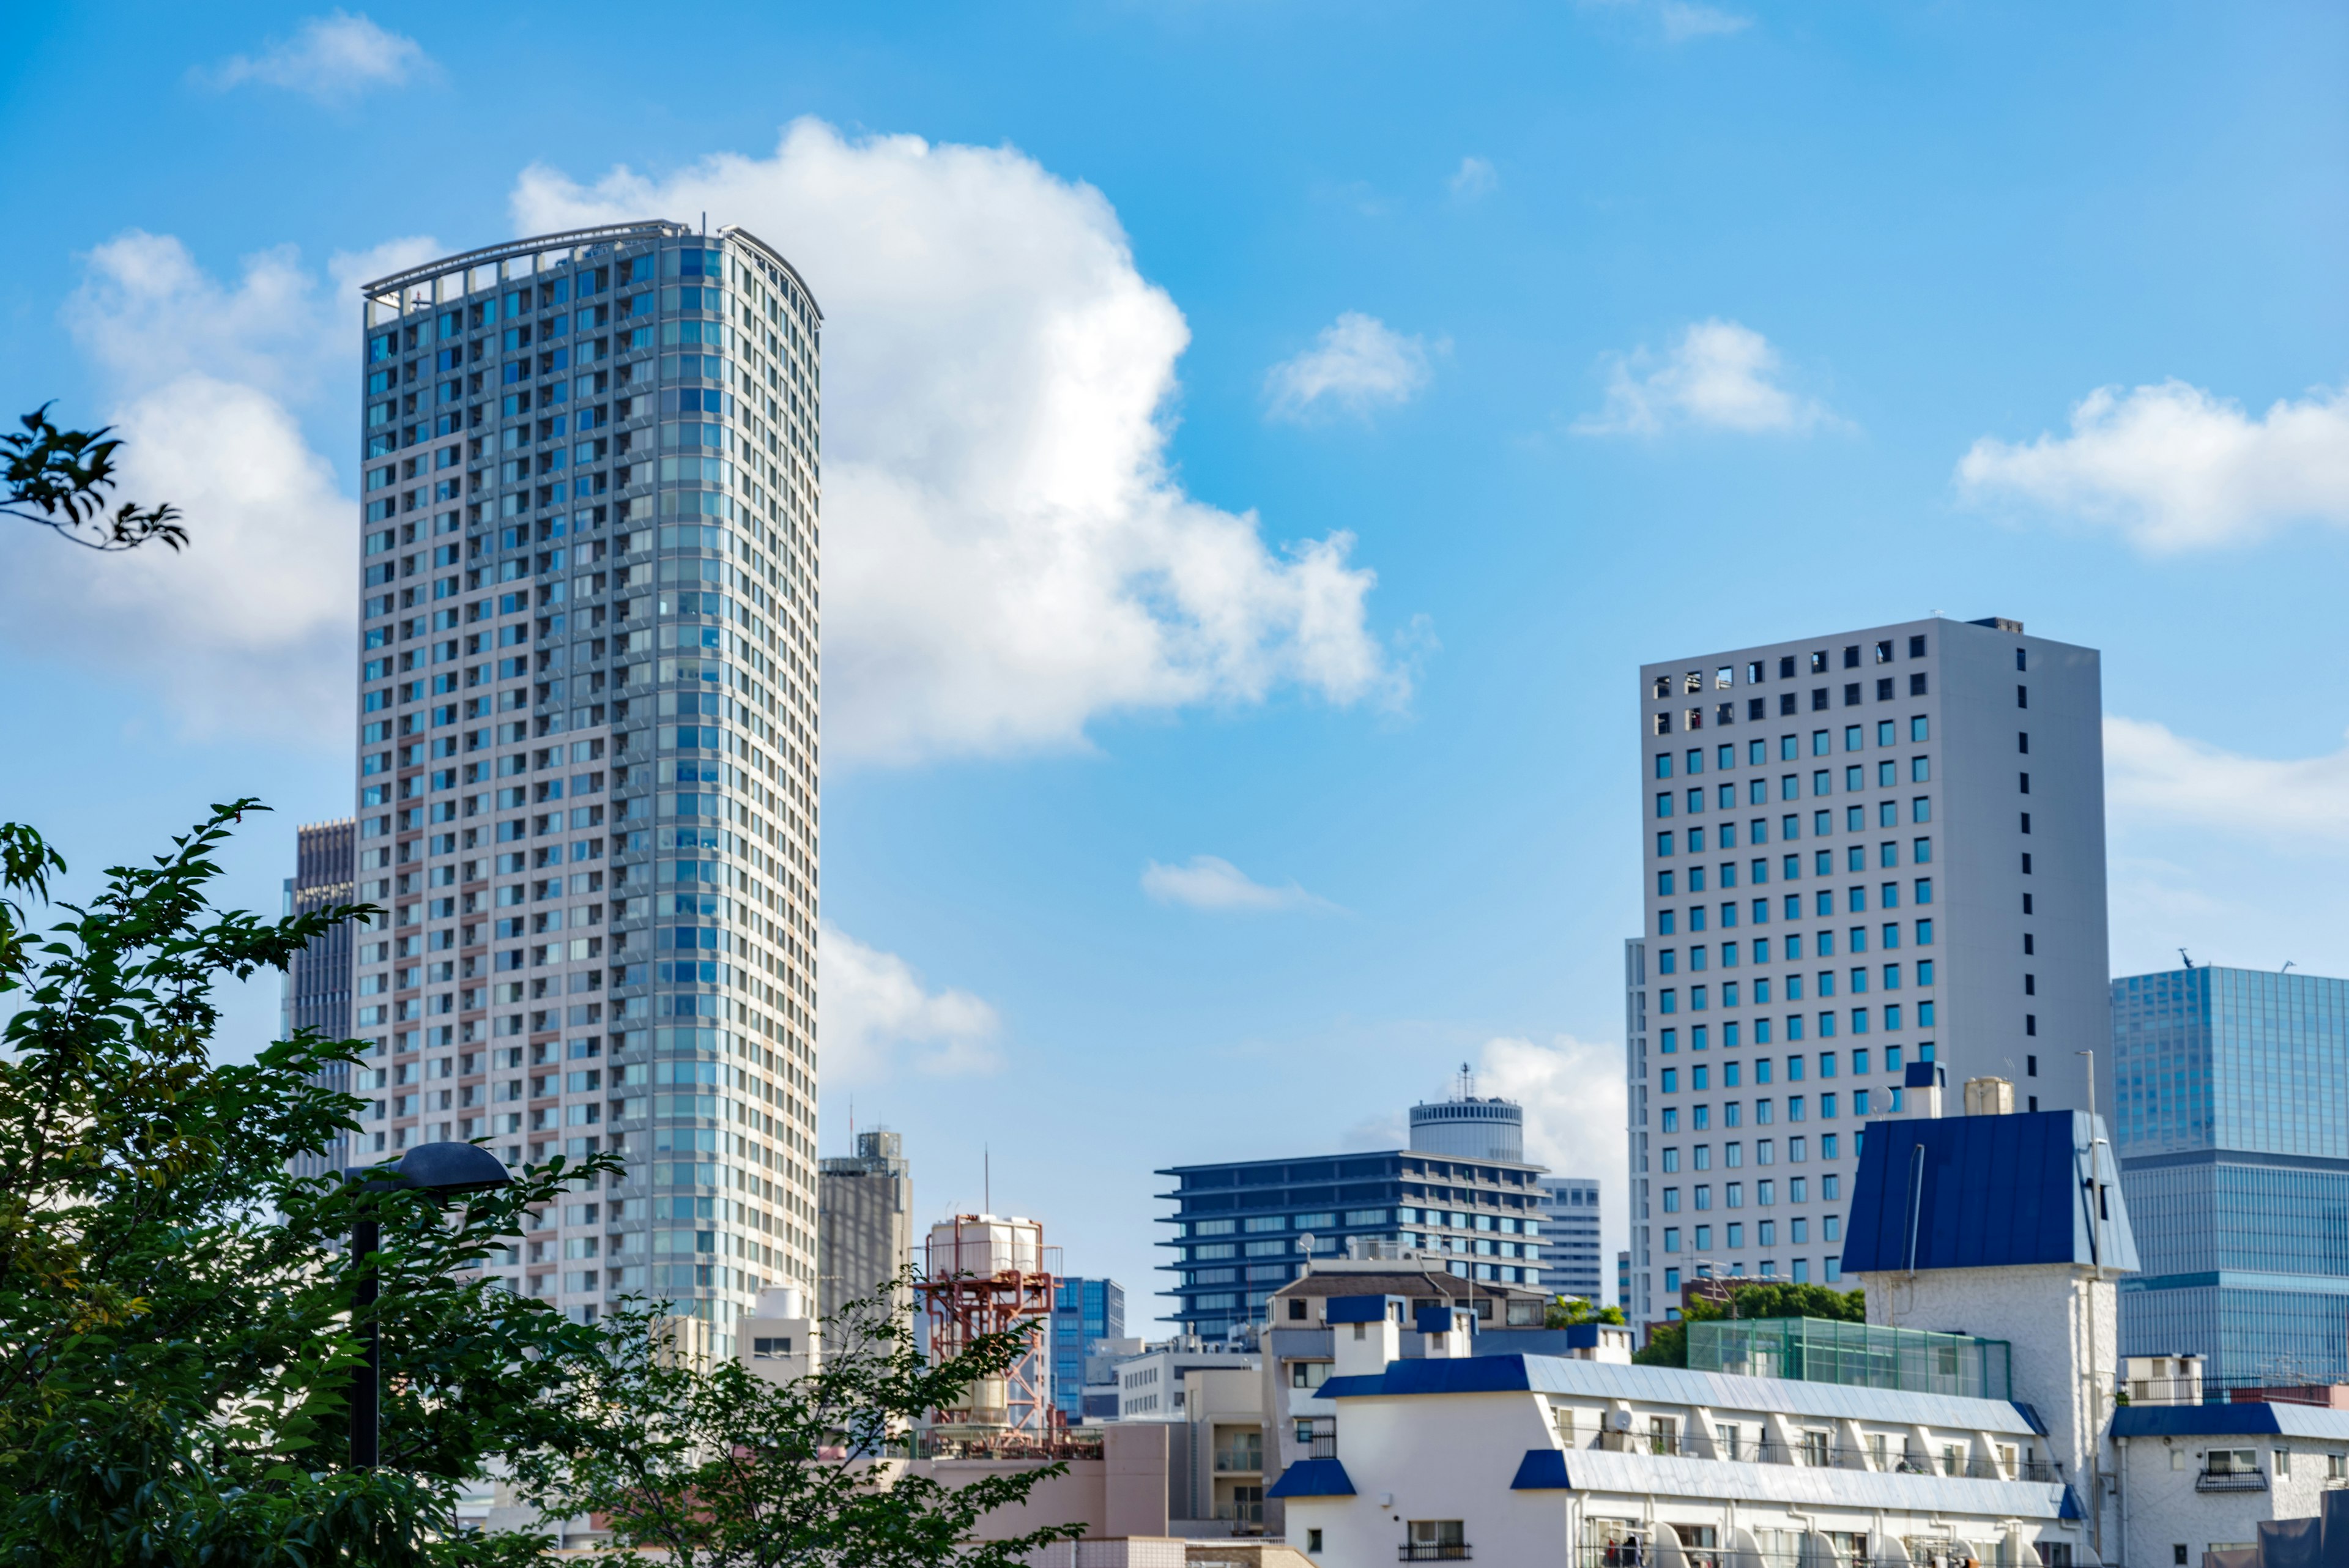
x: 1262, y: 443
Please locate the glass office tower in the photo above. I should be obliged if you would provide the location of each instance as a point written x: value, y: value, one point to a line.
x: 2231, y: 1121
x: 587, y: 749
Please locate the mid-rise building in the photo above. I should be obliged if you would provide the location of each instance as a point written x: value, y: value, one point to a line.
x: 1570, y: 1258
x: 1623, y: 1281
x: 1240, y: 1229
x: 864, y: 1224
x: 1860, y: 851
x: 317, y: 989
x: 1908, y: 1445
x: 1085, y: 1312
x: 587, y: 743
x: 2229, y: 1095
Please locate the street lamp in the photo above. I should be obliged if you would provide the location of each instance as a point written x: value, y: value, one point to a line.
x: 445, y: 1170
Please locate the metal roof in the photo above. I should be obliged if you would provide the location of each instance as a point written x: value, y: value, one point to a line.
x: 1993, y: 1191
x: 2249, y: 1418
x: 1312, y: 1478
x: 1677, y: 1385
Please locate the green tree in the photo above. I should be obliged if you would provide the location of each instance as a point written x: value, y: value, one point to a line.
x: 175, y: 1340
x: 58, y: 479
x: 1565, y: 1312
x: 1668, y: 1341
x: 713, y: 1465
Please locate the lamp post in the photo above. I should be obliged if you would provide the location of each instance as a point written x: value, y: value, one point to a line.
x: 445, y: 1170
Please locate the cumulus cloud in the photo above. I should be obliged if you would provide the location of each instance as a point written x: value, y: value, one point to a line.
x: 2153, y: 775
x: 1009, y: 554
x: 332, y: 58
x: 1475, y: 178
x: 878, y: 1018
x: 1209, y: 882
x: 1719, y: 376
x: 1683, y: 21
x: 247, y: 630
x: 2175, y: 468
x: 1357, y: 364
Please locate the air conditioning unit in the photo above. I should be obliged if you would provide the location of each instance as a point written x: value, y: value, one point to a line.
x: 1619, y: 1420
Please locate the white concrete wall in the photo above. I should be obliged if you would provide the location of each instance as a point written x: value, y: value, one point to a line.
x: 2163, y: 1511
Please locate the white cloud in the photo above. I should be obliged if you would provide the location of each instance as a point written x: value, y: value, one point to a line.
x: 1475, y: 178
x: 331, y: 58
x: 877, y: 1018
x: 2175, y: 468
x: 1683, y: 21
x: 2152, y: 775
x: 1209, y: 882
x: 1357, y: 364
x: 248, y: 630
x: 1009, y: 556
x: 1574, y: 1099
x: 1720, y: 375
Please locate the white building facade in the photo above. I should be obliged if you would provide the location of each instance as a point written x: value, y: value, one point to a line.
x: 1860, y: 851
x: 1571, y: 1264
x: 587, y: 753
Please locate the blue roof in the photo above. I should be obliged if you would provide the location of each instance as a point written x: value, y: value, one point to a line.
x: 1433, y: 1320
x: 2248, y: 1419
x: 1355, y: 1309
x: 1312, y: 1478
x: 1977, y: 1192
x: 1542, y: 1469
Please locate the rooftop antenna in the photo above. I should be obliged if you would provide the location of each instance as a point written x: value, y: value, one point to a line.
x: 2190, y: 963
x: 1465, y: 1085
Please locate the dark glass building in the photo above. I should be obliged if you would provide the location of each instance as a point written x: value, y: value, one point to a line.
x: 1083, y: 1310
x: 317, y: 990
x: 1237, y: 1227
x: 2231, y: 1116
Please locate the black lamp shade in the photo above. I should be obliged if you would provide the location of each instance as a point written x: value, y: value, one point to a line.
x: 452, y: 1168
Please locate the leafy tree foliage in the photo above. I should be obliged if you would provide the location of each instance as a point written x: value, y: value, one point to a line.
x: 1566, y: 1312
x: 175, y: 1341
x: 1668, y: 1341
x: 713, y: 1465
x: 58, y: 479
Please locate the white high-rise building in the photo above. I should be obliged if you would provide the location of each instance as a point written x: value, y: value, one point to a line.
x: 587, y: 758
x: 1861, y: 852
x: 1569, y: 1221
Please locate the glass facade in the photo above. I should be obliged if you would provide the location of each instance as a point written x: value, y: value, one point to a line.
x: 1862, y: 1354
x: 2231, y: 1095
x: 1083, y: 1311
x: 587, y: 744
x: 1239, y: 1228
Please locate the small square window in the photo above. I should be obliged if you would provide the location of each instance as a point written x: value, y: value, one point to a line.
x: 1917, y: 647
x: 1819, y: 700
x: 1786, y: 667
x: 1786, y: 704
x: 1917, y: 684
x: 1851, y: 657
x: 1884, y: 689
x: 1884, y: 651
x: 1851, y: 694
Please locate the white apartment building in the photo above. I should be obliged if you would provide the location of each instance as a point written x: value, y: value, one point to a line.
x: 1859, y: 851
x: 588, y: 752
x: 1571, y: 1265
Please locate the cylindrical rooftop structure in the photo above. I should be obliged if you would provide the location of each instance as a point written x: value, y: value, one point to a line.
x: 1467, y: 1128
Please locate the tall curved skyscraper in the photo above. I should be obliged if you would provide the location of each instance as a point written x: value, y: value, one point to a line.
x: 587, y: 790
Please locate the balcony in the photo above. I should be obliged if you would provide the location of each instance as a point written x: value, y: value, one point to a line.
x: 2232, y: 1480
x: 1433, y: 1552
x: 1827, y: 1456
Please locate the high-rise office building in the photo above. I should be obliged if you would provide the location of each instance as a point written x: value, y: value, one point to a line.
x: 2228, y: 1093
x: 1084, y: 1313
x: 587, y: 758
x: 1239, y: 1228
x: 1570, y: 1262
x: 1860, y: 851
x: 317, y: 987
x: 864, y: 1222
